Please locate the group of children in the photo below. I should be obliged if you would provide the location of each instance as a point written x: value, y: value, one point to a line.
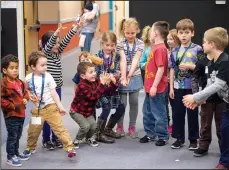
x: 165, y: 62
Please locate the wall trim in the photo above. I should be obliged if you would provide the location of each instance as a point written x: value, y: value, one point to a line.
x: 20, y: 39
x: 48, y: 22
x: 127, y: 9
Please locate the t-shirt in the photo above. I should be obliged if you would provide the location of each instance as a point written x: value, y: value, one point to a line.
x: 143, y: 59
x: 157, y: 58
x: 49, y: 84
x: 183, y: 78
x: 139, y: 46
x: 76, y: 78
x: 217, y: 80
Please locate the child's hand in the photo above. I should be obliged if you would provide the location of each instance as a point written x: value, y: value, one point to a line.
x: 25, y: 101
x: 186, y: 67
x: 117, y: 75
x: 34, y: 99
x: 104, y: 78
x: 153, y: 91
x: 123, y: 82
x: 58, y: 29
x: 128, y: 79
x: 171, y: 94
x: 112, y: 78
x: 62, y: 111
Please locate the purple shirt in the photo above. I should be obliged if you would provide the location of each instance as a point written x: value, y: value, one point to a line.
x: 183, y: 78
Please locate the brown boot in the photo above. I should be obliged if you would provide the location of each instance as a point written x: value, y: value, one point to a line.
x: 100, y: 136
x: 109, y: 128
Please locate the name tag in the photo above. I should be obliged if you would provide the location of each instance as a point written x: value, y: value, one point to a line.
x: 36, y: 120
x: 176, y: 86
x: 206, y: 69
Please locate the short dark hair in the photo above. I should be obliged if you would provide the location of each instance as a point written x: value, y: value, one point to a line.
x: 45, y: 38
x: 7, y: 59
x: 83, y: 66
x: 162, y: 27
x: 34, y: 57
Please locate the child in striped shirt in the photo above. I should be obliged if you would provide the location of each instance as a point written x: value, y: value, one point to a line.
x: 53, y: 47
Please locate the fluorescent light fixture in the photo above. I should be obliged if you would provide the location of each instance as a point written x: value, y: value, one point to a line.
x: 220, y: 2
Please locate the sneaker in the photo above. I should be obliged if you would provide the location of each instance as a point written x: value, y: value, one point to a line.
x: 170, y: 129
x: 200, y: 152
x: 28, y: 152
x: 177, y: 144
x: 120, y: 130
x: 220, y: 166
x: 146, y: 139
x: 77, y: 143
x: 48, y: 145
x: 22, y: 157
x: 14, y: 161
x: 71, y: 153
x: 132, y: 132
x: 161, y: 142
x: 92, y: 142
x: 193, y: 146
x: 57, y: 143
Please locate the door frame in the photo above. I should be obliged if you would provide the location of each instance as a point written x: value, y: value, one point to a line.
x: 20, y: 38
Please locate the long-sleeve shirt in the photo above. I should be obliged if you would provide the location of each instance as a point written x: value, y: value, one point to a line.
x: 144, y: 57
x: 87, y: 95
x: 54, y: 60
x: 217, y: 81
x: 12, y: 95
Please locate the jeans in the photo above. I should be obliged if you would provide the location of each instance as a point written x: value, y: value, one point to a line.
x: 155, y: 119
x: 14, y: 126
x: 46, y: 128
x: 179, y: 112
x: 88, y: 40
x: 224, y: 158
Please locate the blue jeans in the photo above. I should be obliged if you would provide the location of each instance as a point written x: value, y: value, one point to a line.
x: 224, y: 158
x: 14, y: 126
x: 155, y: 119
x: 87, y: 43
x: 46, y: 128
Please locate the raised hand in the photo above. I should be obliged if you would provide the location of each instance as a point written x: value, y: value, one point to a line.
x: 58, y: 29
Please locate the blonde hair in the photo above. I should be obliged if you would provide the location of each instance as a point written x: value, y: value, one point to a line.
x: 109, y: 35
x: 126, y: 23
x: 185, y: 24
x: 145, y: 35
x: 173, y: 33
x: 219, y: 36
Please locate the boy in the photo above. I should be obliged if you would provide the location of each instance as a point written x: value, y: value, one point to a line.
x: 14, y: 97
x: 181, y: 84
x: 87, y: 94
x: 215, y: 41
x: 154, y: 107
x: 42, y: 88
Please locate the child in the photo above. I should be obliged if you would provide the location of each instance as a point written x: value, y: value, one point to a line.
x: 48, y: 106
x: 146, y: 39
x: 86, y: 56
x: 14, y: 97
x: 215, y: 41
x: 156, y: 82
x: 173, y: 42
x: 130, y: 50
x: 53, y: 48
x: 181, y: 85
x: 87, y: 94
x: 110, y: 65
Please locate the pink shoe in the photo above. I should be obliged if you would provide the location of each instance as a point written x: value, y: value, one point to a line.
x: 170, y: 129
x: 132, y: 132
x: 119, y: 130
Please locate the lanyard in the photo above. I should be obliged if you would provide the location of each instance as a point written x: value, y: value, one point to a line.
x: 107, y: 64
x: 130, y: 54
x: 42, y: 89
x: 178, y: 61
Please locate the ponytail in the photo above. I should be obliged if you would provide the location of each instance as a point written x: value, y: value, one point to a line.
x: 121, y: 27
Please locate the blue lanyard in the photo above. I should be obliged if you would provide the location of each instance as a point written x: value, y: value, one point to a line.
x: 42, y: 88
x: 130, y: 54
x: 107, y: 64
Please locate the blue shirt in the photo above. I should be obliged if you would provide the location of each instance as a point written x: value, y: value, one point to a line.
x: 76, y: 78
x: 143, y: 59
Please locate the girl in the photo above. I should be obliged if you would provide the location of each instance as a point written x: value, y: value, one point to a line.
x: 110, y: 65
x: 173, y: 42
x: 130, y: 48
x: 146, y: 39
x: 52, y: 47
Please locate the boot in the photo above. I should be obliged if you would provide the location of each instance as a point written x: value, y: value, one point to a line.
x: 100, y: 136
x: 109, y: 128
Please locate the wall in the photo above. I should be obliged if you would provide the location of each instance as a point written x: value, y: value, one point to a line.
x: 50, y: 12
